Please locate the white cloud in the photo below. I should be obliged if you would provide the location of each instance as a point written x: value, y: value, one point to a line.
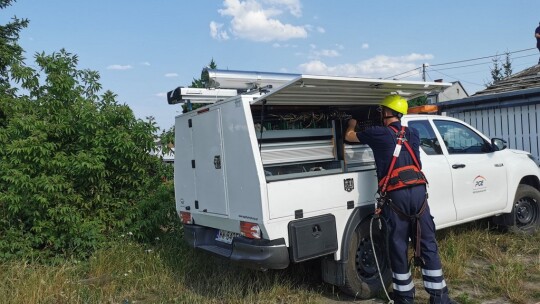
x: 119, y: 67
x: 161, y: 95
x: 321, y: 29
x: 294, y: 6
x: 365, y: 46
x: 376, y: 67
x: 327, y: 53
x: 171, y: 75
x: 217, y: 33
x: 283, y: 45
x: 145, y: 63
x: 253, y: 22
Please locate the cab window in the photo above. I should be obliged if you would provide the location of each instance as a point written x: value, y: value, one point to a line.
x: 428, y: 141
x: 460, y: 139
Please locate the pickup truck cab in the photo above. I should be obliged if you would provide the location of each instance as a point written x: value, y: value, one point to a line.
x: 265, y: 178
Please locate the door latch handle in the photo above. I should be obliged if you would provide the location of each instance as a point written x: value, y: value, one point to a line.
x: 217, y: 162
x: 458, y: 166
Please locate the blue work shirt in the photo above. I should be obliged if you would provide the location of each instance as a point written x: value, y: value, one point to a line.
x: 383, y: 140
x: 537, y: 31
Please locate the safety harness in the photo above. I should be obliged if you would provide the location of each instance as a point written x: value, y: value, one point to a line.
x: 402, y: 177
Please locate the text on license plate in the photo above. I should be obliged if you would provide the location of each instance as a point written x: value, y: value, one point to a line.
x: 226, y: 236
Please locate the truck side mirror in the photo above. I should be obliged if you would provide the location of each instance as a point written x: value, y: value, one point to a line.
x: 498, y: 144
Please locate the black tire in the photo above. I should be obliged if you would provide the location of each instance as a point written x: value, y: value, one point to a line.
x: 526, y: 210
x: 361, y: 275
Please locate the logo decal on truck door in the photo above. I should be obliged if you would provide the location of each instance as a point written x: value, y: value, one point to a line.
x: 479, y: 184
x: 348, y: 184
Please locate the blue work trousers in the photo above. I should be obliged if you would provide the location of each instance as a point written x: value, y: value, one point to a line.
x: 409, y: 201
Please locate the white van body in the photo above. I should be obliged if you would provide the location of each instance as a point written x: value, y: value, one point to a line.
x: 257, y: 160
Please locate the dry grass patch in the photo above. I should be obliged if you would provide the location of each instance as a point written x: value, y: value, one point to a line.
x: 481, y: 265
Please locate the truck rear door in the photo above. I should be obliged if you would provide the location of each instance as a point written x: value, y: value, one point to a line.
x: 208, y: 162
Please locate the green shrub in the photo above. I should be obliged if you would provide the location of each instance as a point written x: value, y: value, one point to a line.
x: 75, y: 165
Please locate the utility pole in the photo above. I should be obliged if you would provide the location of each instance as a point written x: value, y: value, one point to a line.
x: 424, y: 72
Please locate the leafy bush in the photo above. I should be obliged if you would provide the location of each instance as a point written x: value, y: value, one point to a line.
x: 76, y: 166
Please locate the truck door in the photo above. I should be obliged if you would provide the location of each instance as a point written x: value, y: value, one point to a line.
x: 209, y: 168
x: 479, y: 181
x: 438, y: 173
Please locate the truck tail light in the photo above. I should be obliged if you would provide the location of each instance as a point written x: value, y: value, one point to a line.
x: 186, y: 217
x: 250, y: 230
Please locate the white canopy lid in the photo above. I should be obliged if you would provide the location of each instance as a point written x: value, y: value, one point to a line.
x: 334, y: 90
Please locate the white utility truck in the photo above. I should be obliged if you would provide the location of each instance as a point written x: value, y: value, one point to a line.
x: 265, y: 178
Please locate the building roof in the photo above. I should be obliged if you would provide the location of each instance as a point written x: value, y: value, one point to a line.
x: 526, y: 79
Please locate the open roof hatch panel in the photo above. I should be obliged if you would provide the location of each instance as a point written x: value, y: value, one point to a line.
x: 333, y: 90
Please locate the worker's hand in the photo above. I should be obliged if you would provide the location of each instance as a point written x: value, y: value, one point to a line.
x: 350, y: 133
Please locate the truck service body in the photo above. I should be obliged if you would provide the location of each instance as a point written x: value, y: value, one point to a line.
x: 266, y: 179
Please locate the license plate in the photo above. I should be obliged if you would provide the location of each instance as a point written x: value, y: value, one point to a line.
x: 226, y: 236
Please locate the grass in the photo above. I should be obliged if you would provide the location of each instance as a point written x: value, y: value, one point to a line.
x: 480, y: 264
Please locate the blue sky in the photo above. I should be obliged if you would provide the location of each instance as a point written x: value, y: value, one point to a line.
x: 142, y: 49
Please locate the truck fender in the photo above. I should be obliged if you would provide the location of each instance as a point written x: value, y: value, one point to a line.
x: 360, y: 214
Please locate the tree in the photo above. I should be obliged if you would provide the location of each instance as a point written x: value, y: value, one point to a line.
x: 76, y: 167
x: 496, y: 70
x: 500, y: 70
x: 507, y: 65
x: 202, y: 82
x: 418, y: 101
x: 11, y: 54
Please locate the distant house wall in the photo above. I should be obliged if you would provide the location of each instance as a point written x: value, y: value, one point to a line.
x: 456, y: 91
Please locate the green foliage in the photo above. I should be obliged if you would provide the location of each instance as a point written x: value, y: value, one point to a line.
x: 200, y: 83
x: 500, y: 70
x: 76, y: 166
x: 204, y: 80
x: 418, y: 101
x: 167, y: 140
x: 507, y: 65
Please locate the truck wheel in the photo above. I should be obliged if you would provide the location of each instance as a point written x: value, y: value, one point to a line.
x: 361, y: 274
x: 526, y: 211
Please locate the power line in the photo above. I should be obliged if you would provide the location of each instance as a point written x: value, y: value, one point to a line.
x: 469, y: 65
x: 407, y: 76
x: 403, y: 73
x: 466, y: 60
x: 462, y: 66
x: 457, y: 78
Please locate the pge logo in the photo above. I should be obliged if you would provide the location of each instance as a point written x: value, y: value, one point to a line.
x: 479, y: 184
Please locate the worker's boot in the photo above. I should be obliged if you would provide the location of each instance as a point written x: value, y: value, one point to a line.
x: 401, y: 299
x: 442, y: 299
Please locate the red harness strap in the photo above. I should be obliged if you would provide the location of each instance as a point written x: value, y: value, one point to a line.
x: 404, y: 176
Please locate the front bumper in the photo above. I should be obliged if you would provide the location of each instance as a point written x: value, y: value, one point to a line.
x: 255, y: 254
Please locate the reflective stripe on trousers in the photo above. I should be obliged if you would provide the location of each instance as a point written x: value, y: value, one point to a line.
x: 402, y: 282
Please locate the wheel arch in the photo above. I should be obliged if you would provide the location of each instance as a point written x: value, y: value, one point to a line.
x: 359, y: 215
x: 531, y: 180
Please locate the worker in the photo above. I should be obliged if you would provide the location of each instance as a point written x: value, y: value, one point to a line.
x: 537, y: 36
x: 404, y: 201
